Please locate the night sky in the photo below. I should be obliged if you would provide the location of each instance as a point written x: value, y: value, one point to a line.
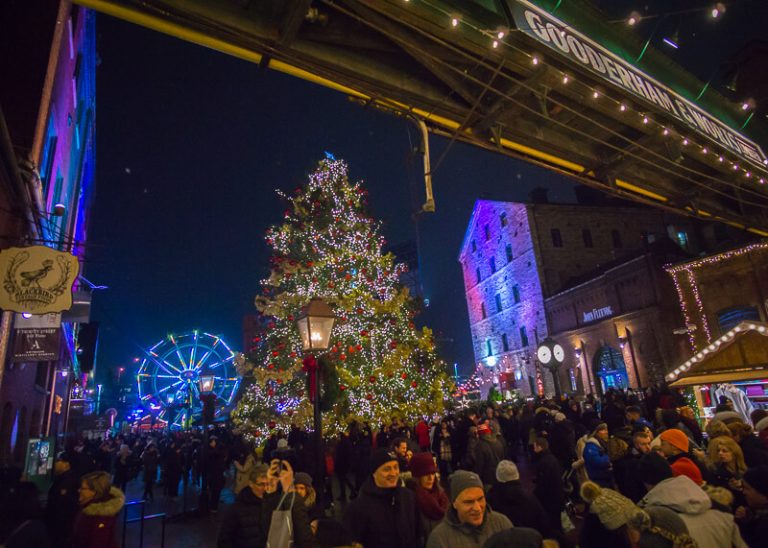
x: 191, y: 144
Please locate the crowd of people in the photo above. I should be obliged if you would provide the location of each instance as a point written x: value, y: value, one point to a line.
x: 629, y: 469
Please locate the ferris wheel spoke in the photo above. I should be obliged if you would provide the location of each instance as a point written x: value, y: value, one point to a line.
x: 166, y: 376
x: 193, y: 352
x: 169, y: 387
x: 199, y: 364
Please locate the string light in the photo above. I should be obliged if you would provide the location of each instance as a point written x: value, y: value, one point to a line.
x: 704, y: 150
x: 720, y: 159
x: 645, y: 119
x: 495, y: 44
x: 622, y: 107
x: 735, y: 167
x: 565, y: 78
x: 500, y: 35
x: 535, y: 60
x: 634, y: 18
x: 685, y: 142
x: 665, y: 132
x: 595, y: 94
x: 454, y: 22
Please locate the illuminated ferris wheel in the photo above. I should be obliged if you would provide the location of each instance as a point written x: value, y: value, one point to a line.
x: 169, y: 376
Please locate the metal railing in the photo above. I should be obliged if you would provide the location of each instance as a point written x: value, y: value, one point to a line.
x: 141, y: 519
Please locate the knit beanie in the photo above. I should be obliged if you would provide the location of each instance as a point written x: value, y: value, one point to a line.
x: 506, y: 471
x: 422, y: 464
x: 676, y: 438
x: 462, y: 479
x: 613, y: 508
x: 516, y: 537
x: 302, y: 478
x: 380, y: 457
x: 653, y: 469
x: 686, y: 467
x: 757, y: 478
x: 661, y: 527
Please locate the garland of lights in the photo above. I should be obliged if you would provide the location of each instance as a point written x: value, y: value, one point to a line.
x: 496, y: 39
x: 715, y: 346
x: 688, y: 269
x: 327, y: 247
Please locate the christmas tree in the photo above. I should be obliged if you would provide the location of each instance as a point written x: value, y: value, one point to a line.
x: 379, y: 365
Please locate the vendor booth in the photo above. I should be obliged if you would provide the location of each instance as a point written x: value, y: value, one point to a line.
x: 734, y: 366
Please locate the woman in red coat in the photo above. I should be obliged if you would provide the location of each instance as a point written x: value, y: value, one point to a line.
x: 431, y: 500
x: 100, y: 503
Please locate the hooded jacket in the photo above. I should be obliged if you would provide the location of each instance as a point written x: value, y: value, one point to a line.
x: 597, y: 463
x: 95, y: 523
x: 451, y: 533
x: 709, y: 528
x: 385, y: 518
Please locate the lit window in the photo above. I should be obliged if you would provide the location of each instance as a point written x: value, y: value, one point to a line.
x: 523, y: 336
x: 477, y: 274
x: 509, y: 253
x: 492, y: 264
x: 482, y: 310
x: 487, y: 233
x: 516, y: 293
x: 498, y: 302
x: 504, y: 342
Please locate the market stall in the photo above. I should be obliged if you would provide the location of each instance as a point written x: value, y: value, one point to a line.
x: 734, y: 366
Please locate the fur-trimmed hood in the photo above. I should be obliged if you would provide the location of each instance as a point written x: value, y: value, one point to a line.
x: 106, y: 508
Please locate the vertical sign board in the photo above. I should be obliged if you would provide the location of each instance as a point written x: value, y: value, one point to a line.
x: 581, y: 50
x: 37, y: 338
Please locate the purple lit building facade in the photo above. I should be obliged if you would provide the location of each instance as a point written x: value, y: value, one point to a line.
x: 514, y: 256
x: 48, y: 109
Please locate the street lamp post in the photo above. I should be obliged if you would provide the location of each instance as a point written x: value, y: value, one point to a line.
x: 206, y: 384
x: 551, y: 355
x: 315, y: 323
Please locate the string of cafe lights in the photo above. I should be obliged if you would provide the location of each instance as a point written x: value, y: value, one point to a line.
x: 497, y: 39
x: 661, y: 159
x: 688, y: 269
x: 714, y: 346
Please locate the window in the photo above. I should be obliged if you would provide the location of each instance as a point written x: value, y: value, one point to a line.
x: 503, y: 219
x: 509, y: 253
x: 523, y: 337
x: 487, y: 233
x: 492, y: 264
x: 489, y: 347
x: 616, y: 237
x: 474, y: 246
x: 557, y: 238
x: 516, y: 293
x: 477, y: 274
x: 498, y: 302
x: 504, y: 342
x: 482, y: 310
x: 586, y: 235
x: 49, y: 152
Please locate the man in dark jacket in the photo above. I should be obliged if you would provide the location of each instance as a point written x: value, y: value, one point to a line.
x: 549, y: 482
x: 384, y: 515
x: 562, y: 440
x: 488, y: 454
x: 625, y: 469
x: 508, y: 497
x: 243, y: 525
x: 62, y: 502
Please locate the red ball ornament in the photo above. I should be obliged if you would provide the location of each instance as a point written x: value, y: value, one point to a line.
x: 275, y: 353
x: 414, y: 384
x: 257, y: 433
x: 292, y: 354
x: 404, y: 376
x: 393, y: 344
x: 271, y: 366
x: 369, y: 396
x: 256, y: 339
x: 279, y: 381
x: 343, y: 357
x: 411, y: 325
x: 363, y: 333
x: 342, y: 387
x: 372, y: 378
x: 348, y: 277
x: 271, y: 325
x: 301, y: 393
x: 271, y: 424
x: 290, y: 317
x: 334, y: 349
x: 360, y: 310
x: 358, y: 348
x: 331, y: 285
x: 351, y: 349
x: 270, y: 392
x: 309, y: 264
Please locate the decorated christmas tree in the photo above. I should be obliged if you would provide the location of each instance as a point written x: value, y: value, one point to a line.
x: 379, y: 364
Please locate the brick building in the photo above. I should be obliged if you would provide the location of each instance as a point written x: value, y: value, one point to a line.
x: 48, y: 143
x: 617, y: 325
x: 516, y: 255
x: 718, y: 291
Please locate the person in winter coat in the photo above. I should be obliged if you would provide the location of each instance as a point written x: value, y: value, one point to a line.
x: 549, y: 482
x: 422, y: 435
x: 709, y: 528
x: 674, y: 446
x: 469, y: 521
x: 282, y: 495
x: 123, y: 464
x: 753, y: 518
x: 243, y: 524
x: 431, y: 500
x: 625, y: 469
x: 508, y: 497
x: 597, y: 463
x: 172, y: 468
x: 150, y: 459
x: 444, y: 446
x: 754, y: 451
x: 244, y: 463
x: 342, y: 465
x: 303, y: 485
x: 384, y: 514
x: 727, y: 466
x: 100, y: 503
x: 488, y: 453
x: 213, y: 470
x: 562, y: 440
x: 62, y: 502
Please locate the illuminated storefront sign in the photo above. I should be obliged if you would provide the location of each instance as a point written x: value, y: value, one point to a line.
x: 565, y: 40
x: 597, y: 314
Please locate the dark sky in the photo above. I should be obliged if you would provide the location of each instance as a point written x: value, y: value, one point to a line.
x: 190, y: 147
x: 191, y: 144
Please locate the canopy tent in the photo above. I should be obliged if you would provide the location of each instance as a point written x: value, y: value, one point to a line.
x: 739, y: 355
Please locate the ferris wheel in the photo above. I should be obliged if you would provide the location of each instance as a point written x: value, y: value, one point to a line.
x: 169, y: 375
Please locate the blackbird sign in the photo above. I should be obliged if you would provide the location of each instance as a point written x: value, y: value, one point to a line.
x: 37, y: 279
x: 570, y: 43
